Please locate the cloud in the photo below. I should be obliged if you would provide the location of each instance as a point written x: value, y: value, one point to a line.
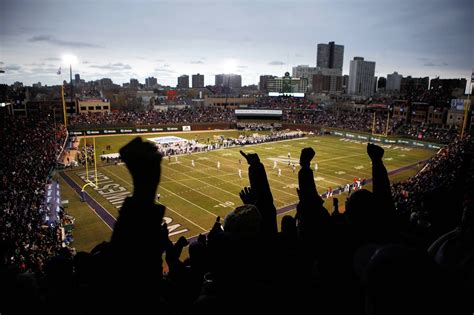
x: 242, y: 67
x: 433, y: 64
x: 12, y: 68
x: 52, y: 59
x: 276, y: 63
x: 113, y: 67
x: 1, y: 62
x: 197, y: 62
x: 60, y: 42
x: 86, y: 62
x: 165, y: 73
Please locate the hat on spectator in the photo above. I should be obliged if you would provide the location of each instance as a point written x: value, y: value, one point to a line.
x: 244, y: 222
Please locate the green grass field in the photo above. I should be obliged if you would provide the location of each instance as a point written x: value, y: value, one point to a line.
x: 195, y: 196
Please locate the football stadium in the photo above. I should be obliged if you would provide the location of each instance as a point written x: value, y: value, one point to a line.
x: 206, y: 184
x: 248, y: 184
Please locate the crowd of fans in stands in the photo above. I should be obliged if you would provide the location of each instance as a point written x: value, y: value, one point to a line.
x: 406, y: 248
x: 29, y: 152
x: 428, y: 188
x: 429, y: 133
x: 295, y: 111
x: 152, y: 117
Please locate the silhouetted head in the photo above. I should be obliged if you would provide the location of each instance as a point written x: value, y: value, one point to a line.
x: 360, y: 207
x: 288, y: 225
x: 244, y: 222
x: 402, y: 281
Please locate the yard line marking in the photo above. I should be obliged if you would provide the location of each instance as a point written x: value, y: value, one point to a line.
x: 215, y: 216
x: 228, y: 182
x: 269, y: 178
x: 220, y: 201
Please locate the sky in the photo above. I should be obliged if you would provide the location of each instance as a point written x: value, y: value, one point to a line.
x: 136, y: 39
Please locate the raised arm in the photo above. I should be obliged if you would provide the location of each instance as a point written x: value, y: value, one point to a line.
x: 381, y: 182
x: 311, y: 215
x: 262, y: 193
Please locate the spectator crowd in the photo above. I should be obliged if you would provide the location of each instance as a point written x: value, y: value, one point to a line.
x: 29, y: 152
x: 295, y: 111
x: 401, y: 249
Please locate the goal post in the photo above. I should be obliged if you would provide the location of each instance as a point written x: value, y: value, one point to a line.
x: 88, y: 181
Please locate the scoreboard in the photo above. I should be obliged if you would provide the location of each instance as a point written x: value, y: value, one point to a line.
x: 262, y: 114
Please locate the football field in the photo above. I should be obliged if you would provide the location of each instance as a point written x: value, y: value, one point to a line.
x: 196, y: 195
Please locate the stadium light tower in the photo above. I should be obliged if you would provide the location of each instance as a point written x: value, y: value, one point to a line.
x: 70, y: 60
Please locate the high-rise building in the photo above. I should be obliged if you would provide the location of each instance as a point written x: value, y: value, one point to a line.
x: 198, y: 80
x: 77, y: 78
x: 134, y: 84
x: 151, y: 82
x: 361, y: 77
x: 232, y: 81
x: 327, y: 84
x: 287, y: 84
x: 418, y: 85
x: 394, y: 81
x: 305, y: 71
x: 381, y: 84
x: 451, y: 87
x: 327, y: 80
x: 183, y: 82
x: 330, y: 56
x: 263, y: 83
x: 106, y: 82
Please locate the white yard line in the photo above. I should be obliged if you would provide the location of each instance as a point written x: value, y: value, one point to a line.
x: 167, y: 207
x: 228, y: 182
x: 197, y: 206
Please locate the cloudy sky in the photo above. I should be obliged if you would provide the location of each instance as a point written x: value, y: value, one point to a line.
x: 123, y: 39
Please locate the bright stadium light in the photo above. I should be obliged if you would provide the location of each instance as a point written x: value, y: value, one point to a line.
x: 69, y: 59
x: 230, y: 66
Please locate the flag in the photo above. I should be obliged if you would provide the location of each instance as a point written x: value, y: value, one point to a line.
x: 59, y: 71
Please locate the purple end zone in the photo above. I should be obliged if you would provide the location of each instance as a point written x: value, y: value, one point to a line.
x: 101, y: 212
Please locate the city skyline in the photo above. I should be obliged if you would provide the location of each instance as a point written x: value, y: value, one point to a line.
x: 142, y: 39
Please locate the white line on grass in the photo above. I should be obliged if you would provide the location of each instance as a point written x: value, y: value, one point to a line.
x: 215, y: 216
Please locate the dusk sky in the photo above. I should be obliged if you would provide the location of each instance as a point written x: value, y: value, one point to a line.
x: 136, y: 39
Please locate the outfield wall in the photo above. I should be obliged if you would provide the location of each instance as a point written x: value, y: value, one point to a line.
x: 367, y: 137
x: 81, y: 131
x: 386, y: 140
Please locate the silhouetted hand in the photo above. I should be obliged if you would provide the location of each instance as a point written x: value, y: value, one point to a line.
x: 335, y: 204
x: 375, y: 152
x: 247, y: 196
x: 251, y: 158
x: 216, y: 229
x: 182, y: 242
x: 307, y: 154
x: 143, y: 161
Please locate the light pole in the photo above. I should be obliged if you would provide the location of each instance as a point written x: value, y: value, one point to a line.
x: 68, y: 59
